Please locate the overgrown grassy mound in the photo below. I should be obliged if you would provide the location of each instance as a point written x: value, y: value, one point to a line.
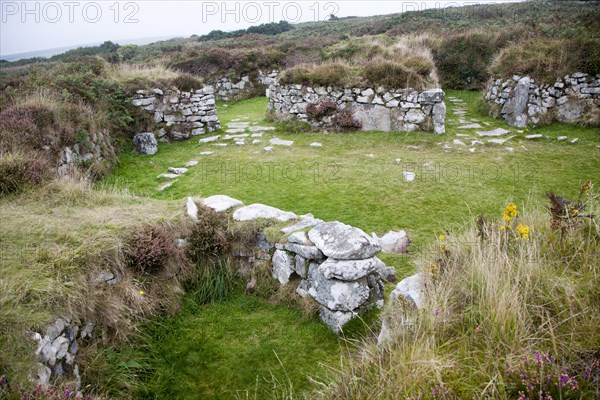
x: 511, y: 310
x: 373, y: 62
x: 546, y: 59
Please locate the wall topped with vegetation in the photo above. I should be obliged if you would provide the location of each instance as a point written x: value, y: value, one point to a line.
x: 367, y: 108
x: 522, y: 101
x: 180, y: 114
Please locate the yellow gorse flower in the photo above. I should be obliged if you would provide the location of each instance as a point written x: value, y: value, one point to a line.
x: 510, y: 212
x: 523, y: 230
x: 442, y: 238
x: 142, y: 292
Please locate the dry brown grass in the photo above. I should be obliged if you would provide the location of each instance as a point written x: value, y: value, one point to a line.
x: 491, y: 302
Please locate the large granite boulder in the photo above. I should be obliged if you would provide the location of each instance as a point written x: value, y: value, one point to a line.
x: 145, y: 143
x: 343, y: 242
x: 395, y: 242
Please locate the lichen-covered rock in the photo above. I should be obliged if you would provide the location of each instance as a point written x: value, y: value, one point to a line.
x: 395, y: 242
x: 350, y: 270
x: 335, y: 294
x: 515, y: 107
x: 335, y: 320
x: 343, y: 242
x: 284, y: 265
x: 411, y: 289
x: 145, y: 143
x: 221, y: 203
x: 256, y: 211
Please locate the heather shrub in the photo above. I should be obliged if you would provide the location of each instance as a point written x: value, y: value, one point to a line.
x: 321, y: 110
x: 209, y: 238
x: 187, y: 82
x: 19, y: 171
x: 148, y: 249
x: 344, y: 121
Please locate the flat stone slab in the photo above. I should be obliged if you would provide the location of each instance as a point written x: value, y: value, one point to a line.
x: 220, y: 144
x: 408, y: 176
x: 168, y: 176
x: 178, y: 171
x: 459, y: 112
x: 256, y: 211
x: 240, y: 136
x: 261, y: 128
x: 191, y: 163
x: 536, y: 136
x: 561, y: 138
x: 495, y: 132
x: 281, y: 142
x: 166, y: 185
x: 350, y: 270
x: 235, y: 130
x: 316, y: 144
x: 499, y: 141
x: 343, y: 242
x: 256, y: 135
x: 221, y: 203
x: 308, y: 221
x: 207, y: 153
x: 210, y: 139
x: 462, y: 135
x: 268, y: 148
x: 238, y: 125
x: 470, y: 126
x: 256, y: 141
x: 459, y: 142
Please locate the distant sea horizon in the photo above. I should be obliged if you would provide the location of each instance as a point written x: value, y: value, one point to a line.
x: 46, y: 53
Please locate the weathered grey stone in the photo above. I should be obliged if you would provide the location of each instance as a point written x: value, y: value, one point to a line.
x: 178, y: 171
x: 301, y: 266
x: 570, y: 110
x: 343, y: 242
x: 395, y: 242
x: 337, y: 295
x: 411, y: 289
x: 514, y: 109
x: 306, y: 222
x: 350, y: 270
x: 439, y: 118
x: 431, y: 96
x: 192, y: 209
x: 299, y: 238
x: 284, y: 266
x: 495, y: 132
x: 256, y: 211
x: 281, y: 142
x: 221, y: 203
x: 373, y: 117
x: 335, y: 320
x: 308, y: 252
x: 145, y: 143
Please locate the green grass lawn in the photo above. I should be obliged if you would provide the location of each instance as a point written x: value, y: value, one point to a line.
x: 224, y: 350
x: 355, y: 178
x: 241, y: 348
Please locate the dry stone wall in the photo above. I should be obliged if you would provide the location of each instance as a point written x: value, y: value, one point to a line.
x: 376, y: 108
x: 332, y: 263
x: 521, y: 101
x: 181, y: 114
x: 227, y: 89
x: 91, y: 149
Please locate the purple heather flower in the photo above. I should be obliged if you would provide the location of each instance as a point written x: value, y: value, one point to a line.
x: 3, y: 380
x: 67, y: 393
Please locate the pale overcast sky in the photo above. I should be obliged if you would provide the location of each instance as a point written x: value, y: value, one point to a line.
x: 38, y: 25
